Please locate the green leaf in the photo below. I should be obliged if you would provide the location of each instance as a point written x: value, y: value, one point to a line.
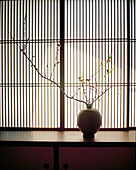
x: 80, y: 79
x: 111, y: 70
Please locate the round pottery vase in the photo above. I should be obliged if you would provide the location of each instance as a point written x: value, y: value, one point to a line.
x: 89, y: 121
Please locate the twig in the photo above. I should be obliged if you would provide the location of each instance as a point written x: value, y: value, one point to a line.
x: 52, y: 81
x: 49, y: 79
x: 56, y: 61
x: 101, y: 94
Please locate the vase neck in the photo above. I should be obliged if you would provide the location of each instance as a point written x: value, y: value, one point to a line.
x: 89, y: 106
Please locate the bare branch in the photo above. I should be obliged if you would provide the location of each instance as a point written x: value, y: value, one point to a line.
x: 101, y: 94
x: 56, y: 61
x: 49, y: 79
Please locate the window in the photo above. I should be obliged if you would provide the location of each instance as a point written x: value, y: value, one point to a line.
x: 89, y: 32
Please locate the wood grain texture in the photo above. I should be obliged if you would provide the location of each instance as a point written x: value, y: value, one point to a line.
x: 67, y: 136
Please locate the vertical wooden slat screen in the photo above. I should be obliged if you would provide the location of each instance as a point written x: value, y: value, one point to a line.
x: 26, y: 99
x: 89, y: 32
x: 95, y: 30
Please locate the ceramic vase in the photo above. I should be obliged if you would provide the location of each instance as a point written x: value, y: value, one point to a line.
x: 89, y: 121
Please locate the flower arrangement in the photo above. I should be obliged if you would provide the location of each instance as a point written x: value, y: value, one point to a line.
x: 88, y: 120
x: 84, y: 83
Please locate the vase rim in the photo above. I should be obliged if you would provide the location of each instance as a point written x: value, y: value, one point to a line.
x: 89, y: 106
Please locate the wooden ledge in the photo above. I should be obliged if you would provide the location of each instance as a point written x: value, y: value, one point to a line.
x: 67, y: 136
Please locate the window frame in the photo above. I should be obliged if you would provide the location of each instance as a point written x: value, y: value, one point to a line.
x: 62, y: 101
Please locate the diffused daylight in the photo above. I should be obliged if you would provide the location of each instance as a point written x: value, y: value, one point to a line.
x: 68, y: 84
x: 84, y: 51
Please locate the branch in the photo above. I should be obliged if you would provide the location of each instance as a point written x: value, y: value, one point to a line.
x: 49, y: 79
x: 101, y: 94
x: 56, y: 61
x: 84, y: 90
x: 52, y: 81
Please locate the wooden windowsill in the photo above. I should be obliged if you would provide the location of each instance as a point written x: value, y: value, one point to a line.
x: 63, y: 137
